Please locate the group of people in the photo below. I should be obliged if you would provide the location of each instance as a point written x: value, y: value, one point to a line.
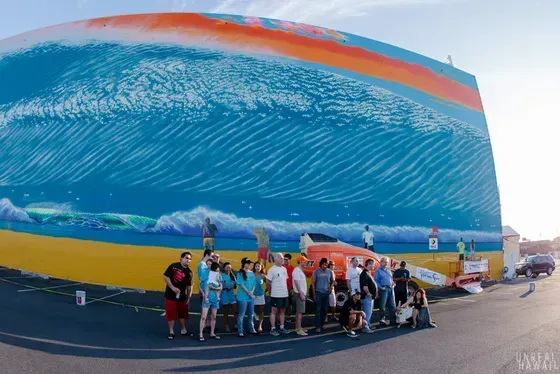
x: 244, y: 294
x: 390, y: 288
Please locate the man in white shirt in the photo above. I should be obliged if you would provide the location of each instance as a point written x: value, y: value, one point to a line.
x: 369, y: 239
x: 299, y: 281
x: 277, y: 284
x: 353, y: 275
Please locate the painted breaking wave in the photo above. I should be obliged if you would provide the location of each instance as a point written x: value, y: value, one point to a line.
x: 229, y: 225
x: 205, y: 121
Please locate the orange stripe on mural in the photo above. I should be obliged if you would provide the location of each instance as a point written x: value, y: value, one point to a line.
x: 290, y: 44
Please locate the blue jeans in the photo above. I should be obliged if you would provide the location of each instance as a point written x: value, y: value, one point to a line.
x: 384, y: 296
x: 367, y: 304
x: 424, y: 317
x: 242, y: 308
x: 321, y: 308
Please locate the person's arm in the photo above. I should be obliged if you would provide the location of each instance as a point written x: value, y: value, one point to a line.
x: 375, y: 289
x: 313, y: 281
x: 425, y: 303
x: 363, y: 283
x: 268, y: 282
x: 348, y: 280
x: 170, y: 285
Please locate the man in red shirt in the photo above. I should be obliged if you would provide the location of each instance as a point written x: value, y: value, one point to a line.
x: 290, y: 270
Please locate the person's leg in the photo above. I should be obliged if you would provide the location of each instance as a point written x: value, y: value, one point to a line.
x: 213, y: 322
x: 324, y: 307
x: 391, y: 299
x: 250, y: 312
x: 282, y: 315
x: 368, y: 309
x: 260, y: 310
x: 203, y: 316
x: 242, y: 308
x: 351, y: 322
x: 226, y: 317
x: 318, y: 312
x: 171, y: 315
x: 414, y: 317
x: 183, y: 315
x: 234, y: 307
x: 273, y: 312
x: 382, y: 302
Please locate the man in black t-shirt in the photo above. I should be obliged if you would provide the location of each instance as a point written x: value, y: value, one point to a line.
x: 351, y: 315
x: 178, y: 291
x: 401, y: 277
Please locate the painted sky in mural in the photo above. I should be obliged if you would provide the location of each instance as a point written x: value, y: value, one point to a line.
x: 147, y: 124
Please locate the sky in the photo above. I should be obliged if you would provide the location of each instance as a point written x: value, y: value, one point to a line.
x: 511, y: 46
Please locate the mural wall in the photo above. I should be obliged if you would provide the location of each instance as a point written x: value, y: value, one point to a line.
x: 119, y: 136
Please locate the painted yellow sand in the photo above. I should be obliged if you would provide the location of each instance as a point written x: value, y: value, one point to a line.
x: 142, y: 266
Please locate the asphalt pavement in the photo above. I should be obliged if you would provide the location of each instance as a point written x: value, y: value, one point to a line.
x: 504, y: 329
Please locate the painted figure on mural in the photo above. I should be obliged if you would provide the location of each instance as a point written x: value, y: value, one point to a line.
x: 471, y: 250
x: 263, y: 245
x: 461, y: 249
x: 209, y: 231
x: 368, y: 239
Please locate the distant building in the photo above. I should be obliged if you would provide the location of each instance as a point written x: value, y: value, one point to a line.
x: 537, y: 247
x: 511, y: 250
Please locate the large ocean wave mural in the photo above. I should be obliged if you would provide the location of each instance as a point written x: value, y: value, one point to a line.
x: 139, y: 127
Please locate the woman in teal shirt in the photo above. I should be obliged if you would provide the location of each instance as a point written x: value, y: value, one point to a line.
x: 258, y: 271
x: 227, y: 297
x: 245, y: 297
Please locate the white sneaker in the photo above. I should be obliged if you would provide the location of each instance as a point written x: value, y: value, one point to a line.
x: 382, y: 321
x: 352, y: 334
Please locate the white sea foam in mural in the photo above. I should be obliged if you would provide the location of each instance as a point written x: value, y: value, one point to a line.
x: 230, y: 225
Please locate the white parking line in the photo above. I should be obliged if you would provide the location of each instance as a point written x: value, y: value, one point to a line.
x: 48, y: 288
x: 106, y: 297
x: 453, y: 299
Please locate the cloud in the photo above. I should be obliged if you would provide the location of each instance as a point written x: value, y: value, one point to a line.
x: 313, y: 11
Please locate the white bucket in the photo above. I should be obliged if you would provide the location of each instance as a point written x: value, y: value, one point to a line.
x: 81, y: 298
x: 532, y: 286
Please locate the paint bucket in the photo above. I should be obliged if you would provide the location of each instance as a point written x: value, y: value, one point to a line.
x: 81, y: 298
x: 532, y: 286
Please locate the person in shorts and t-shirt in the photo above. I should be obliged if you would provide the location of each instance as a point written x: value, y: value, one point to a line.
x: 353, y: 275
x: 299, y: 281
x: 276, y: 281
x: 179, y: 280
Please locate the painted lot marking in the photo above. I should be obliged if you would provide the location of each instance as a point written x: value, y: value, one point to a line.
x: 49, y: 288
x: 453, y: 299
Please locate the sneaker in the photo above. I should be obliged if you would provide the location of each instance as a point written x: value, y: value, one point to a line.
x: 284, y: 331
x: 274, y: 332
x: 352, y: 334
x: 382, y: 321
x: 301, y: 333
x: 367, y: 330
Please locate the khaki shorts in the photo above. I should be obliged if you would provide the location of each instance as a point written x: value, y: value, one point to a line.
x: 299, y: 303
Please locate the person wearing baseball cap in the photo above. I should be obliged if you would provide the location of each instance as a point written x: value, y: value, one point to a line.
x: 299, y: 283
x: 352, y: 316
x: 401, y: 277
